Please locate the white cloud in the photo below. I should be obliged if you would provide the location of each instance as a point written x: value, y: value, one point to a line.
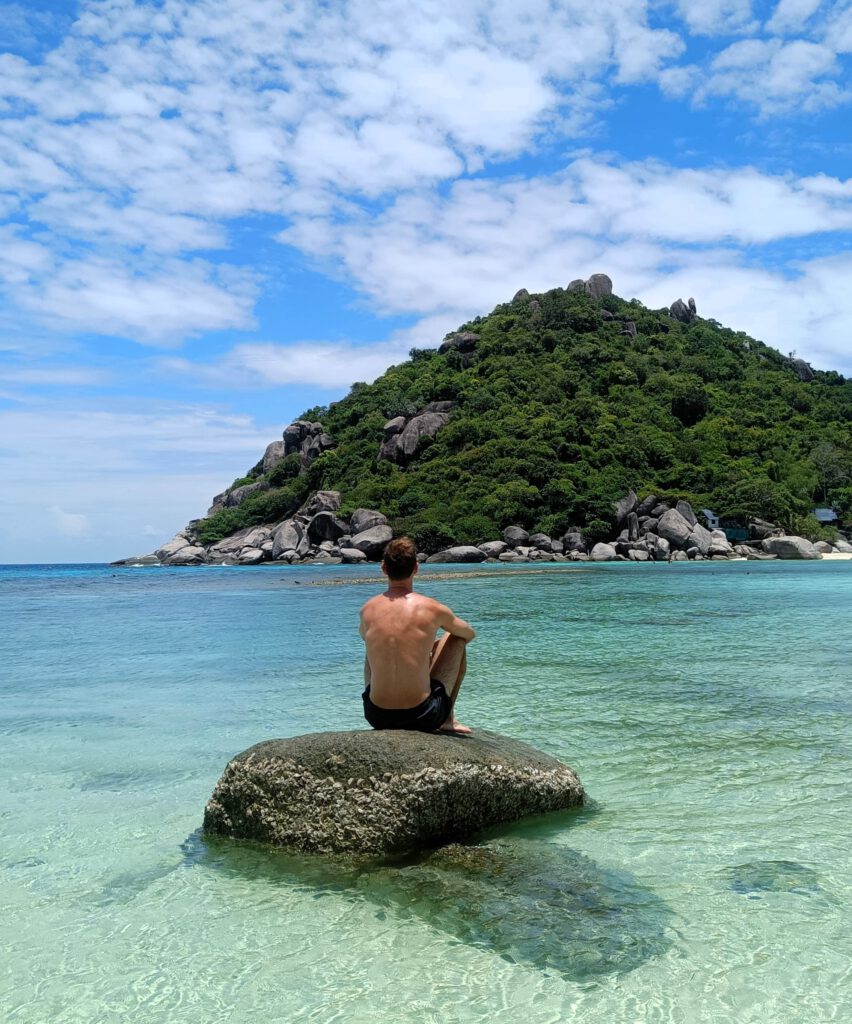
x: 659, y: 231
x: 486, y: 237
x: 69, y: 524
x: 838, y: 28
x: 774, y: 76
x: 55, y: 376
x: 319, y: 364
x: 717, y: 17
x: 151, y: 126
x: 807, y: 309
x: 792, y: 15
x: 156, y: 304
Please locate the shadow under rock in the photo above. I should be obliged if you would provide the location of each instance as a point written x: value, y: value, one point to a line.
x: 526, y: 900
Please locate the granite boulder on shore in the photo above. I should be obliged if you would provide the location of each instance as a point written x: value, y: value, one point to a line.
x: 382, y: 792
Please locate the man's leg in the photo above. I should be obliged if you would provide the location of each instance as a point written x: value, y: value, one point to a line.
x: 449, y: 665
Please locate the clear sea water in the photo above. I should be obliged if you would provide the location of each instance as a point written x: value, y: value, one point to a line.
x: 706, y: 708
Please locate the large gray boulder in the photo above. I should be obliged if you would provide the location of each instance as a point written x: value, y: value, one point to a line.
x: 493, y: 548
x: 662, y: 550
x: 286, y: 538
x: 760, y: 529
x: 683, y: 311
x: 275, y: 453
x: 320, y: 501
x: 603, y: 553
x: 352, y: 556
x: 235, y: 498
x: 801, y: 369
x: 251, y: 556
x: 426, y: 425
x: 326, y: 526
x: 702, y: 538
x: 373, y: 541
x: 295, y: 434
x: 646, y: 504
x: 790, y: 547
x: 383, y: 792
x: 179, y: 541
x: 515, y: 536
x: 541, y: 541
x: 250, y: 537
x: 674, y: 528
x: 575, y: 541
x: 365, y: 519
x: 460, y: 341
x: 599, y: 286
x: 150, y: 559
x: 685, y: 510
x: 625, y: 506
x: 393, y: 427
x: 461, y: 553
x: 190, y: 554
x: 843, y: 546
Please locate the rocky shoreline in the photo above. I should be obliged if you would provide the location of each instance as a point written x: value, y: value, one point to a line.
x: 649, y: 531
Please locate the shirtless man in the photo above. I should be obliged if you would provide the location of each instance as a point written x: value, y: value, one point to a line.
x: 412, y: 680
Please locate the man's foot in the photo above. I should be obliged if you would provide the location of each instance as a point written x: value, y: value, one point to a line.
x: 455, y: 728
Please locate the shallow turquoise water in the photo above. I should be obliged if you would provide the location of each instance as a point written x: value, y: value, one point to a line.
x: 705, y: 707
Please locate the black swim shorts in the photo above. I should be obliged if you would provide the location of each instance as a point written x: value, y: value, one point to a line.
x: 428, y: 716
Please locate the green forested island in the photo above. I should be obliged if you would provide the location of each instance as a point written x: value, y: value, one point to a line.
x: 547, y: 410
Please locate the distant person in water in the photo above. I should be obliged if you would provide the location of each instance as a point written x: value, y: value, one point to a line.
x: 412, y: 679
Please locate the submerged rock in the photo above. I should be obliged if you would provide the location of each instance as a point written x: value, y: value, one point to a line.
x: 765, y: 876
x: 521, y: 899
x: 384, y: 792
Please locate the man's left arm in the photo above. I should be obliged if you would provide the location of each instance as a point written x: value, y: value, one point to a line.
x: 368, y: 672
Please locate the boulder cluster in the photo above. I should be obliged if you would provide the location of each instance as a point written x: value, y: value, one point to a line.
x: 683, y: 311
x: 317, y: 534
x: 306, y: 438
x: 650, y: 531
x: 598, y: 286
x: 402, y: 434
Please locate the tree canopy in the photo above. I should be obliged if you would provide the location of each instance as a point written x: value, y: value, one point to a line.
x: 561, y: 408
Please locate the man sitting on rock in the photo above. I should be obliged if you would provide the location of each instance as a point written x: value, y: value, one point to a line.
x: 412, y: 679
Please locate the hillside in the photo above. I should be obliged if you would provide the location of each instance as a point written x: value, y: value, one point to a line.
x: 544, y: 412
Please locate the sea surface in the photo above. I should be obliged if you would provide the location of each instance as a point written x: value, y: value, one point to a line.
x: 706, y: 708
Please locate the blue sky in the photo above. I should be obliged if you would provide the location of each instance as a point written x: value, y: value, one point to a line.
x: 218, y: 213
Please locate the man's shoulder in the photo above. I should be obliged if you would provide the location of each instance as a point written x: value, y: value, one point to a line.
x: 371, y: 602
x: 430, y: 605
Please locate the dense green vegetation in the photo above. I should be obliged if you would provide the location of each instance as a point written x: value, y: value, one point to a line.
x: 560, y: 411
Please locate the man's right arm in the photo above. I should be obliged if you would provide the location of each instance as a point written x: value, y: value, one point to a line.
x: 453, y: 624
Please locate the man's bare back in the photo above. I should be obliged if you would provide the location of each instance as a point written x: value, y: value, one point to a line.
x: 403, y: 657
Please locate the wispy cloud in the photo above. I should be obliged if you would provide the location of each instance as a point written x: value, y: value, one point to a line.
x: 319, y: 364
x: 55, y: 376
x: 121, y: 468
x: 152, y: 127
x: 164, y: 164
x: 69, y: 524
